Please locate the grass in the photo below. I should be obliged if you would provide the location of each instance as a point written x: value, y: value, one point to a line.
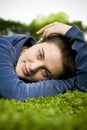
x: 63, y: 112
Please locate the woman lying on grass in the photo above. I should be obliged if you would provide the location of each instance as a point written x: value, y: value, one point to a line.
x: 30, y: 70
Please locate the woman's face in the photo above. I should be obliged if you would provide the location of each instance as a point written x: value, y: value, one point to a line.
x: 40, y: 62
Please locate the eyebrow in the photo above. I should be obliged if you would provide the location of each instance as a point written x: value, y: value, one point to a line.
x: 43, y: 56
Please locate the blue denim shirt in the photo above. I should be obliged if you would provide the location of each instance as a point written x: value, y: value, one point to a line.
x: 11, y: 87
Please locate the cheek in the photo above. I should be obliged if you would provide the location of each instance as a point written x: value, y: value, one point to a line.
x: 24, y: 57
x: 30, y: 55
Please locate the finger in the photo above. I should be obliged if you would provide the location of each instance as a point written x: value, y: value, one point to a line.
x: 41, y: 30
x: 44, y: 28
x: 48, y: 32
x: 40, y: 40
x: 44, y: 36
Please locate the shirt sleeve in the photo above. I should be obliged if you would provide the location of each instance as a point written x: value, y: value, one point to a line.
x: 76, y: 38
x: 18, y: 38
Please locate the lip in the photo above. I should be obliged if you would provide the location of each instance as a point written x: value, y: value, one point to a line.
x: 25, y: 70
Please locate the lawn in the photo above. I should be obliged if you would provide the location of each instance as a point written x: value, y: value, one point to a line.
x: 63, y: 112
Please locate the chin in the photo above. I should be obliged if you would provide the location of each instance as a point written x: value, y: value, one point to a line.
x: 19, y: 74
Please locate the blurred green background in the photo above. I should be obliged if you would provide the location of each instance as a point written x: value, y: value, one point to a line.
x: 11, y: 27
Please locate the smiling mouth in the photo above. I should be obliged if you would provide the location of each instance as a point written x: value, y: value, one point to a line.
x: 25, y: 70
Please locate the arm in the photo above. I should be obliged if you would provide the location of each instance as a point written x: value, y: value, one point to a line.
x: 77, y: 41
x: 54, y: 28
x: 18, y: 38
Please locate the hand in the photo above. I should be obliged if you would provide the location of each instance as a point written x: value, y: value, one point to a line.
x: 53, y: 28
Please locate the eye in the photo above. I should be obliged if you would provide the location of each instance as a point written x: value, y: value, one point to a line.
x: 39, y: 55
x: 46, y: 74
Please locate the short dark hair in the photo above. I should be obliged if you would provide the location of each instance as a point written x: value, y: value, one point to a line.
x: 68, y: 54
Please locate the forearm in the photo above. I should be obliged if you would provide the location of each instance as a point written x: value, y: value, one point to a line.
x: 76, y: 38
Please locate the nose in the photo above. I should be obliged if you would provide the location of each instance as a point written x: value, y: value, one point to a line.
x: 36, y: 66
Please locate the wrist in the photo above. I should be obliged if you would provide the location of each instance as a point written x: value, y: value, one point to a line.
x: 65, y: 28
